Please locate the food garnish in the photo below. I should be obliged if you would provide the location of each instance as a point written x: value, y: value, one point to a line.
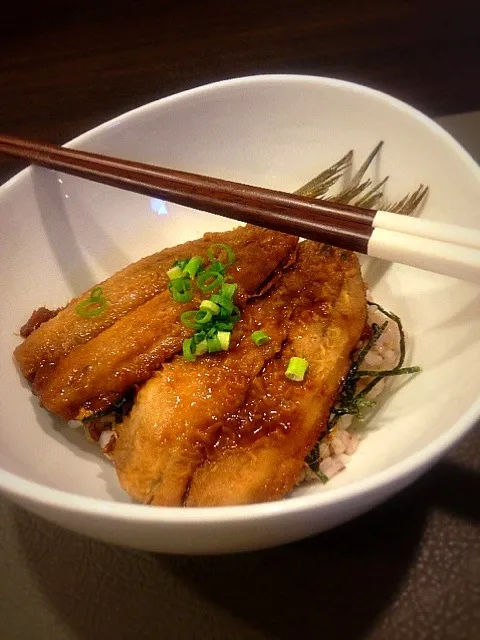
x: 260, y: 338
x: 216, y: 316
x: 297, y: 367
x: 94, y: 305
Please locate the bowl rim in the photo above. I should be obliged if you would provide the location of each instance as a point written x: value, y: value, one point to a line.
x: 21, y: 490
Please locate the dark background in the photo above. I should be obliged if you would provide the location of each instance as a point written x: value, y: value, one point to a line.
x: 67, y: 66
x: 409, y: 569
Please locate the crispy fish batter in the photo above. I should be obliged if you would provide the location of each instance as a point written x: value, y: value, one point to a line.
x: 95, y: 374
x: 177, y: 414
x: 261, y: 451
x: 132, y: 287
x: 189, y: 410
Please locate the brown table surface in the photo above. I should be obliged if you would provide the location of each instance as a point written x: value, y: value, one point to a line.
x: 408, y: 570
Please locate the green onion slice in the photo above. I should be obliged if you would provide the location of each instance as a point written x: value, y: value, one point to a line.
x: 224, y: 339
x: 260, y: 338
x: 217, y: 267
x: 188, y: 319
x: 203, y: 316
x: 221, y: 247
x: 224, y: 326
x: 181, y: 263
x: 96, y: 294
x: 223, y: 302
x: 201, y: 347
x: 209, y: 280
x: 174, y: 273
x: 235, y: 315
x: 192, y: 267
x: 296, y: 369
x: 228, y: 290
x: 211, y: 306
x: 214, y: 344
x: 188, y: 349
x: 181, y: 290
x: 92, y: 306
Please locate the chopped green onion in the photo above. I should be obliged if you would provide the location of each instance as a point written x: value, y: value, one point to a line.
x: 224, y: 339
x: 96, y: 294
x: 235, y: 315
x: 188, y: 319
x: 260, y: 338
x: 224, y: 326
x: 223, y: 302
x: 210, y: 306
x: 217, y: 267
x: 189, y: 350
x: 201, y: 347
x: 86, y: 309
x: 174, y: 273
x: 181, y: 290
x: 224, y: 313
x: 92, y: 306
x: 215, y: 318
x: 181, y: 263
x: 214, y: 344
x: 192, y: 266
x: 296, y: 369
x: 228, y: 290
x: 203, y: 316
x: 222, y: 247
x: 209, y: 280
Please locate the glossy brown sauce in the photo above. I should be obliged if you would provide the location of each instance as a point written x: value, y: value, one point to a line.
x: 270, y: 410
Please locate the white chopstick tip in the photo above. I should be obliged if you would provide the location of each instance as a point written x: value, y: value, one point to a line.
x: 431, y: 255
x: 428, y: 229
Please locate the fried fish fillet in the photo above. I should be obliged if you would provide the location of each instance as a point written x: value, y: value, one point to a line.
x: 261, y: 449
x: 96, y: 373
x: 188, y: 410
x: 135, y: 285
x: 175, y: 415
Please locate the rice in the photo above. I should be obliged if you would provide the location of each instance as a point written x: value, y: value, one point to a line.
x: 105, y: 438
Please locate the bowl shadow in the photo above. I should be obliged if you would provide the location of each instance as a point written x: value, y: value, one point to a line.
x: 338, y: 583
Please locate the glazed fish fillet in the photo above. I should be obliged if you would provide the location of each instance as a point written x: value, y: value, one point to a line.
x: 261, y: 450
x: 189, y: 411
x: 95, y: 373
x: 132, y: 287
x: 177, y: 414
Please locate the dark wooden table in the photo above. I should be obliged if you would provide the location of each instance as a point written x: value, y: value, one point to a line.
x: 408, y: 570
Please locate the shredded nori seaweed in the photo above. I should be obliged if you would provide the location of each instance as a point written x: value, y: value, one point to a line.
x: 117, y: 411
x: 351, y: 403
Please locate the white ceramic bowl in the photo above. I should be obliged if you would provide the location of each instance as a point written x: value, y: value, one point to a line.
x: 59, y: 234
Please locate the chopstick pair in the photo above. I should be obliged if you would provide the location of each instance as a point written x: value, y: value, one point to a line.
x: 441, y: 248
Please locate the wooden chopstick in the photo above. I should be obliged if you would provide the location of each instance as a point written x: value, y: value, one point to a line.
x: 442, y: 248
x: 340, y: 225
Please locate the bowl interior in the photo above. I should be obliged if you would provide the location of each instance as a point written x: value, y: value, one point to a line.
x: 59, y: 235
